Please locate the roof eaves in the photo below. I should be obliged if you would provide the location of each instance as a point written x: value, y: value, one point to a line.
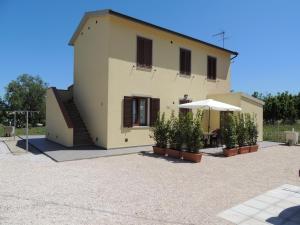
x: 170, y: 31
x: 109, y: 11
x: 85, y: 17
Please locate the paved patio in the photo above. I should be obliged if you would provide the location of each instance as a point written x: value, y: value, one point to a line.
x: 138, y: 188
x: 280, y: 206
x: 60, y: 153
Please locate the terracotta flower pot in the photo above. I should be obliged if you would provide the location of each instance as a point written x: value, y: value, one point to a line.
x: 244, y: 149
x: 230, y: 151
x: 174, y: 153
x: 253, y: 148
x: 159, y: 151
x: 193, y: 157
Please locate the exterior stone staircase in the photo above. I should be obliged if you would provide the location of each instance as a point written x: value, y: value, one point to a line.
x: 81, y: 135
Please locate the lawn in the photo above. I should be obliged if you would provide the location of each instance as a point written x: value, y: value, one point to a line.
x: 275, y: 132
x: 272, y: 132
x: 22, y: 131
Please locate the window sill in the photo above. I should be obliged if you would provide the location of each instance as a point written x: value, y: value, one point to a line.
x: 185, y: 75
x: 140, y: 127
x: 142, y: 68
x: 211, y: 80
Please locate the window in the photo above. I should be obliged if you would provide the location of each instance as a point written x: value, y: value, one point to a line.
x: 144, y: 53
x: 211, y: 68
x: 185, y: 61
x: 183, y: 110
x: 135, y: 111
x: 139, y: 111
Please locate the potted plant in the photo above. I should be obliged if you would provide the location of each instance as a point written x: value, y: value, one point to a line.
x: 241, y: 134
x: 229, y: 136
x: 175, y: 136
x: 252, y: 133
x: 160, y: 135
x: 194, y: 139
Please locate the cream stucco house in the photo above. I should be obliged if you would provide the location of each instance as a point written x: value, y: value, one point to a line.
x: 125, y: 71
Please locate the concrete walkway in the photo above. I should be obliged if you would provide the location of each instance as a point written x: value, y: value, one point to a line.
x: 17, y: 146
x: 279, y: 206
x: 60, y: 153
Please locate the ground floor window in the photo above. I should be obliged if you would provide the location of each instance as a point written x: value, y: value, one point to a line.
x: 140, y: 111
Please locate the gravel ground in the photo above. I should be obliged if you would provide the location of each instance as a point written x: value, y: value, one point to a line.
x: 137, y: 189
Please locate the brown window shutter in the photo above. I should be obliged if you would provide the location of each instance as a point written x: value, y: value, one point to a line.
x: 154, y: 110
x: 185, y: 61
x: 208, y: 68
x: 182, y: 61
x: 188, y: 62
x: 215, y: 68
x: 211, y: 67
x: 140, y: 51
x: 144, y: 52
x: 148, y: 53
x: 127, y: 111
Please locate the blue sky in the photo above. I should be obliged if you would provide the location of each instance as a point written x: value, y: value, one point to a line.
x: 35, y: 34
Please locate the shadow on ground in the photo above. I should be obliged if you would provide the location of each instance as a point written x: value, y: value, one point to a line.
x: 289, y: 216
x: 169, y: 159
x: 47, y: 145
x: 22, y: 144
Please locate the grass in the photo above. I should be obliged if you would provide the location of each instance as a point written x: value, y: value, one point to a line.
x: 272, y: 132
x: 275, y: 132
x: 22, y: 131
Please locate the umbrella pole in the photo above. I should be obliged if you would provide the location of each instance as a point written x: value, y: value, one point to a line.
x: 209, y: 120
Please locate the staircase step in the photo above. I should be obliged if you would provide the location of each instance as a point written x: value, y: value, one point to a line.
x: 81, y: 135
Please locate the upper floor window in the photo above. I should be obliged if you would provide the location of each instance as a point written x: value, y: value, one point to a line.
x: 211, y: 68
x: 183, y: 110
x: 144, y: 52
x: 185, y: 61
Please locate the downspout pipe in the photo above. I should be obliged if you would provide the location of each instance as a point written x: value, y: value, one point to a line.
x: 235, y: 55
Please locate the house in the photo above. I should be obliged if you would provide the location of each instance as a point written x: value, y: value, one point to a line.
x: 126, y: 71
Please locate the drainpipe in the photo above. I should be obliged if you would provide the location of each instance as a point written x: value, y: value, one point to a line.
x: 236, y: 54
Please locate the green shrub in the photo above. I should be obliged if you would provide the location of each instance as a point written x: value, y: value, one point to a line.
x: 186, y: 123
x: 160, y: 131
x: 174, y: 134
x: 252, y: 131
x: 229, y: 131
x: 178, y: 130
x: 241, y: 129
x: 194, y: 138
x: 182, y: 131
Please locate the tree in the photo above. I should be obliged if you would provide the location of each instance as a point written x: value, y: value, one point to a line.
x: 27, y: 92
x: 282, y: 106
x: 288, y: 109
x: 3, y: 109
x: 257, y: 95
x: 297, y: 104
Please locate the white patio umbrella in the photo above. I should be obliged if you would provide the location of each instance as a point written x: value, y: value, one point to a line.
x: 210, y: 104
